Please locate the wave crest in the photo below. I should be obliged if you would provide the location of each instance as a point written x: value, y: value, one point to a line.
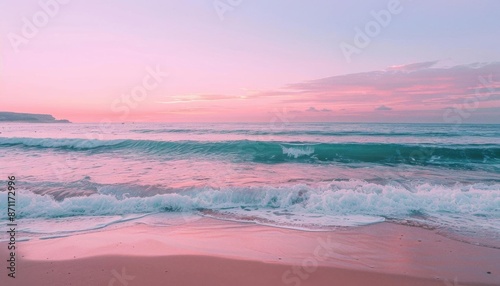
x: 454, y: 156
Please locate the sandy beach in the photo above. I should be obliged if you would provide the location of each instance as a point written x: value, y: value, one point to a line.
x: 212, y: 252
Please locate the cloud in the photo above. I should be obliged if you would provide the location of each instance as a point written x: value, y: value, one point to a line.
x: 312, y: 109
x: 383, y: 107
x: 414, y: 86
x: 415, y: 90
x: 198, y: 97
x: 413, y: 67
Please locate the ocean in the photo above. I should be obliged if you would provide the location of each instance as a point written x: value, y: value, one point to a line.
x: 75, y: 178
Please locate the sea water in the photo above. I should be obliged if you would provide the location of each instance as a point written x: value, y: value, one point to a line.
x: 73, y: 178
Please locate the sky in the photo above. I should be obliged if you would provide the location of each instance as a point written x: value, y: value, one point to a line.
x: 252, y: 61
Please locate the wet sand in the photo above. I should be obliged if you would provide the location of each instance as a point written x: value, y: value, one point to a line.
x: 211, y: 252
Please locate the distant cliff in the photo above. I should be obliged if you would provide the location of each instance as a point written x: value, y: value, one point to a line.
x: 29, y: 117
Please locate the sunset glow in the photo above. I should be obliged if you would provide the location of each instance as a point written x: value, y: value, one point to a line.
x: 88, y: 60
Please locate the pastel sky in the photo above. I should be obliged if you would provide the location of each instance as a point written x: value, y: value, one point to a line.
x: 252, y: 60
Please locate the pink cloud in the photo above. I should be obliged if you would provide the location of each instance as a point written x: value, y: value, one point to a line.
x: 407, y: 87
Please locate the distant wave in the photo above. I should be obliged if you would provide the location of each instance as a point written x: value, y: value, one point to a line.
x: 453, y: 156
x: 268, y: 132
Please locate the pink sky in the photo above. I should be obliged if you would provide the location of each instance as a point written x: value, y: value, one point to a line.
x: 92, y: 61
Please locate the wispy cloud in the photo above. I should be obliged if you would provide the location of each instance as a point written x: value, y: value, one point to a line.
x: 198, y: 97
x: 413, y: 67
x: 412, y: 86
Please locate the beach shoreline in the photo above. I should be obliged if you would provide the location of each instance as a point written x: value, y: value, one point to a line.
x: 226, y: 253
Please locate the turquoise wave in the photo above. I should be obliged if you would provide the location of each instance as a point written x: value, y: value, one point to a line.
x: 455, y: 156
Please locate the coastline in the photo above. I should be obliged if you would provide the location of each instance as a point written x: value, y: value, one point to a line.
x: 226, y: 253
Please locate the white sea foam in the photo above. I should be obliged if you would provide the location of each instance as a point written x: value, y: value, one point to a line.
x: 297, y: 151
x: 339, y: 203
